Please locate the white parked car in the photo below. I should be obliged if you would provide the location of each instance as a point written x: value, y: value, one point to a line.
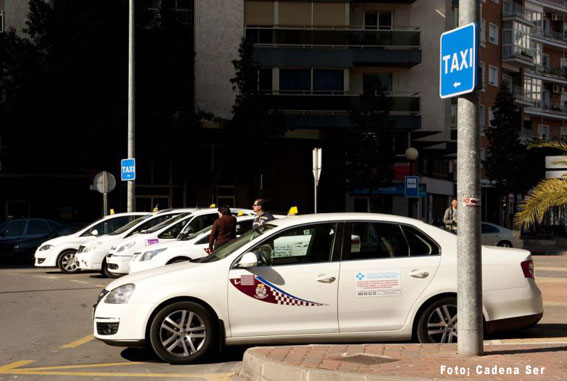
x: 118, y: 259
x: 496, y: 235
x: 91, y: 256
x: 60, y: 251
x: 184, y: 248
x: 400, y: 283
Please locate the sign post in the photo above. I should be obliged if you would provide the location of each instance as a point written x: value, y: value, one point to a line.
x: 457, y: 77
x: 317, y: 166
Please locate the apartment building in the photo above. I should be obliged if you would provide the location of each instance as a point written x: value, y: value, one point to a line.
x: 315, y: 58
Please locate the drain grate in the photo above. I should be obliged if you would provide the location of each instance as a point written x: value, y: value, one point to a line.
x: 365, y: 359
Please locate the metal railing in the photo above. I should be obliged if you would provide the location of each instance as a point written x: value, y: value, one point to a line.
x: 555, y: 72
x: 552, y: 107
x: 519, y: 93
x: 511, y: 9
x: 550, y: 34
x: 557, y: 3
x: 336, y: 37
x: 515, y: 51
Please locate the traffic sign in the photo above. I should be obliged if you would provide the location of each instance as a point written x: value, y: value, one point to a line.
x: 104, y: 182
x: 128, y: 169
x: 458, y: 61
x: 411, y: 188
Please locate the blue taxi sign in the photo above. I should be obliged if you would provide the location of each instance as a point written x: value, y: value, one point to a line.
x: 128, y: 169
x: 458, y: 61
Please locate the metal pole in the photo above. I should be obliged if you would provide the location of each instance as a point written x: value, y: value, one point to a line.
x: 105, y: 203
x: 315, y: 188
x: 469, y: 276
x: 131, y: 196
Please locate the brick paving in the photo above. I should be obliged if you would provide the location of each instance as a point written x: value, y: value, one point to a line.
x: 425, y: 361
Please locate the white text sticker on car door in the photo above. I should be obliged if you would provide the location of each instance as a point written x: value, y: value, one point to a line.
x: 378, y: 283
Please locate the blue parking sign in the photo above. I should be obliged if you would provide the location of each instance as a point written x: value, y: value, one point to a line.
x: 128, y: 169
x: 458, y: 62
x: 411, y: 186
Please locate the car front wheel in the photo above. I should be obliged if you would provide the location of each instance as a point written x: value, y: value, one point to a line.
x: 182, y: 333
x: 438, y: 323
x: 66, y: 262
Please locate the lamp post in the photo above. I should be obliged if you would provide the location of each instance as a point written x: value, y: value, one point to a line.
x: 131, y: 190
x: 411, y: 155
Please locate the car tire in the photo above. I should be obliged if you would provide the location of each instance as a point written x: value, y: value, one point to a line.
x: 504, y: 244
x: 66, y: 262
x: 106, y: 272
x: 178, y: 260
x: 173, y: 342
x: 438, y: 322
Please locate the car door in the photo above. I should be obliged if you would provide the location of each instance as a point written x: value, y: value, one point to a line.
x: 293, y: 290
x: 489, y: 234
x: 384, y: 269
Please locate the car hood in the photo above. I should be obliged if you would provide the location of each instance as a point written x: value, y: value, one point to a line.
x: 162, y: 271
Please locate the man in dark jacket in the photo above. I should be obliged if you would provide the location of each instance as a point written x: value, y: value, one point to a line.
x: 262, y: 215
x: 224, y: 229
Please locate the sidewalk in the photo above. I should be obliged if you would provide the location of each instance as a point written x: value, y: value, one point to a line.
x: 404, y: 362
x: 556, y: 246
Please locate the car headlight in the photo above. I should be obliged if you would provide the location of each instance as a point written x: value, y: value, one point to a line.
x: 92, y: 247
x: 150, y: 254
x: 45, y: 247
x: 127, y: 246
x: 120, y: 295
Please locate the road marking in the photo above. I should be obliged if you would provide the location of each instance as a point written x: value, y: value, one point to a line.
x: 13, y: 365
x: 76, y: 343
x: 554, y: 269
x: 79, y: 281
x: 47, y: 277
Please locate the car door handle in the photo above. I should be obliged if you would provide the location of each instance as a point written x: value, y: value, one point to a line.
x: 324, y: 278
x: 418, y: 273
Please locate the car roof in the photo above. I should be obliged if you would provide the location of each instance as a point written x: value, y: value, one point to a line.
x: 323, y: 217
x: 126, y: 214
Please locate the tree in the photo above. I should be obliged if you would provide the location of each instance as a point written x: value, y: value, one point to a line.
x: 505, y: 163
x: 369, y: 144
x: 547, y: 194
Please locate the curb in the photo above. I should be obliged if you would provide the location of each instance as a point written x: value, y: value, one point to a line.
x: 257, y: 367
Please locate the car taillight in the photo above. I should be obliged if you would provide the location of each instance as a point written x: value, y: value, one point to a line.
x: 528, y: 269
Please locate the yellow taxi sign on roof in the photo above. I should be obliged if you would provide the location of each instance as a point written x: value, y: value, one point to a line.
x: 111, y: 211
x: 212, y: 206
x: 156, y: 209
x: 240, y: 214
x: 293, y: 211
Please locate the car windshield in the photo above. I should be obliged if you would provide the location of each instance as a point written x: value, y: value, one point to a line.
x: 129, y: 225
x: 163, y: 224
x: 237, y: 243
x: 183, y: 236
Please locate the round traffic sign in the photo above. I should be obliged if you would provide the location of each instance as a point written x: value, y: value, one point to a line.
x: 104, y: 182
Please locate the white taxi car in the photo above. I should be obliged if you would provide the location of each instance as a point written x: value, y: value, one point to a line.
x: 184, y: 248
x: 60, y: 251
x: 496, y: 235
x: 91, y: 256
x: 118, y: 259
x: 398, y: 284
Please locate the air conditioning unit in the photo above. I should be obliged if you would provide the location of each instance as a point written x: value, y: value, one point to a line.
x: 557, y: 88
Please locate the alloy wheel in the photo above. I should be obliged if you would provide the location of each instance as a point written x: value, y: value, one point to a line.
x: 68, y: 262
x: 442, y: 324
x: 182, y: 333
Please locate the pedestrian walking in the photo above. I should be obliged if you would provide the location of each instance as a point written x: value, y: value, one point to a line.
x: 262, y: 215
x: 223, y: 230
x: 450, y: 216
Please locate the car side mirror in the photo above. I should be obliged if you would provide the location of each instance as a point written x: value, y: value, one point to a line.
x: 248, y: 260
x: 94, y: 232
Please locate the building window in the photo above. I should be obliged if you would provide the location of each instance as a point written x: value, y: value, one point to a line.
x: 482, y: 30
x: 376, y: 82
x: 543, y: 132
x: 532, y: 88
x: 482, y: 118
x: 493, y: 34
x: 493, y: 75
x: 328, y: 81
x: 491, y: 117
x: 455, y: 17
x: 483, y: 73
x: 295, y: 80
x: 563, y: 135
x: 377, y: 20
x: 1, y: 21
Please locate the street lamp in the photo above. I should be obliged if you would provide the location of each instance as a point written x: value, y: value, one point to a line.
x: 411, y: 155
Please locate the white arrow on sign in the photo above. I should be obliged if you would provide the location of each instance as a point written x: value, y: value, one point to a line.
x: 456, y: 84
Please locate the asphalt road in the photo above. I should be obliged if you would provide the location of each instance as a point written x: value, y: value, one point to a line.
x: 46, y: 329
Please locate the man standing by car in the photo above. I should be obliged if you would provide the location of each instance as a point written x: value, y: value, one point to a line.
x: 223, y: 230
x: 262, y: 215
x: 450, y: 217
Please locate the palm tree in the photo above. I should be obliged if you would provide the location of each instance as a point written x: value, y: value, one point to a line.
x: 546, y: 195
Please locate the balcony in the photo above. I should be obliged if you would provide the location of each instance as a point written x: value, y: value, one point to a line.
x: 518, y: 55
x: 552, y: 110
x: 335, y: 46
x: 557, y: 39
x: 556, y: 75
x: 520, y: 97
x: 309, y: 110
x: 556, y: 5
x: 514, y: 11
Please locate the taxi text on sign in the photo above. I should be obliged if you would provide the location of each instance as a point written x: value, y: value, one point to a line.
x: 128, y: 169
x: 458, y: 61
